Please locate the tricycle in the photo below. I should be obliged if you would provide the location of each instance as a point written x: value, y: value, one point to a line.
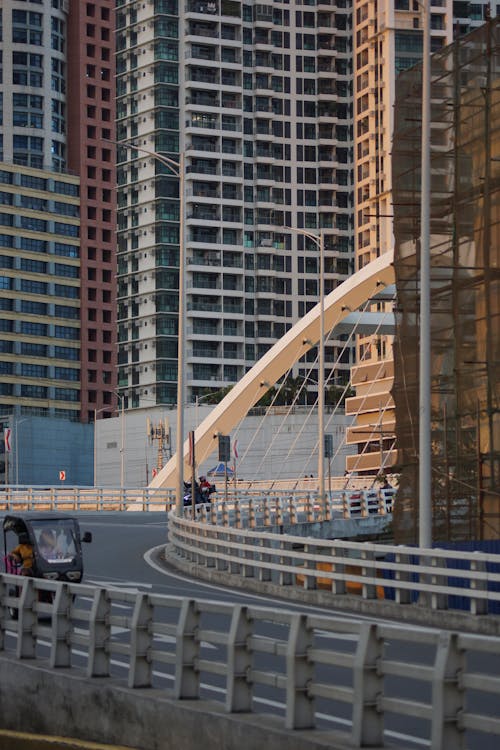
x: 44, y: 545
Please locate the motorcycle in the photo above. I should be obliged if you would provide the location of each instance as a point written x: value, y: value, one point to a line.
x: 201, y: 495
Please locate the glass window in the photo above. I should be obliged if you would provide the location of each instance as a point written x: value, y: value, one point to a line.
x: 5, y: 282
x: 34, y: 287
x: 66, y: 352
x: 34, y: 350
x: 71, y: 292
x: 66, y: 332
x: 31, y: 328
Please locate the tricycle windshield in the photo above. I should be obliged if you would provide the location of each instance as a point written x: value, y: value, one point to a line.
x: 55, y: 541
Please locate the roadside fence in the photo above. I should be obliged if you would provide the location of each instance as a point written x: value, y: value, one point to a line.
x: 325, y: 671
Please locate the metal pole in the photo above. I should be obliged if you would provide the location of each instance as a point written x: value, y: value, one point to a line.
x: 181, y: 345
x: 122, y: 448
x: 321, y: 379
x: 17, y: 455
x: 95, y: 447
x: 425, y: 484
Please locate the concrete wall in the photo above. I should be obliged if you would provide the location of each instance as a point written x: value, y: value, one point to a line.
x: 58, y: 702
x: 46, y: 446
x: 273, y: 447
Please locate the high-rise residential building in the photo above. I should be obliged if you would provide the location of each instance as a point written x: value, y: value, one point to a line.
x: 57, y: 209
x: 387, y: 39
x: 258, y: 99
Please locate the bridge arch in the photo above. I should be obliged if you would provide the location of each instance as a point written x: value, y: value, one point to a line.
x: 304, y: 335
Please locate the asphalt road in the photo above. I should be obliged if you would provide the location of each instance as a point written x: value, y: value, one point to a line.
x: 119, y: 556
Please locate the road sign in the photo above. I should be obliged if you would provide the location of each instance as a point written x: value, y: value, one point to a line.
x: 328, y: 445
x: 62, y: 476
x: 224, y: 448
x: 7, y: 434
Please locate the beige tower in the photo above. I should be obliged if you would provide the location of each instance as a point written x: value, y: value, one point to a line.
x: 387, y: 38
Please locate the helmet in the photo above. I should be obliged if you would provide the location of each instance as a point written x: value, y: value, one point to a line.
x: 203, y: 479
x: 24, y: 538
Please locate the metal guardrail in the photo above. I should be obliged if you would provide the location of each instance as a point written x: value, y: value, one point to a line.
x: 316, y: 665
x: 276, y: 504
x: 441, y: 579
x: 17, y: 498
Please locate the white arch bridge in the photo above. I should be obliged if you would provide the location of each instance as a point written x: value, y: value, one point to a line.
x: 338, y: 305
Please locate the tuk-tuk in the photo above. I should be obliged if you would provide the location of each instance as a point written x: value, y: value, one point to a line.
x: 56, y: 543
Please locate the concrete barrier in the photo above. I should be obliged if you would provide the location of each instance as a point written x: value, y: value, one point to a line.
x: 64, y: 703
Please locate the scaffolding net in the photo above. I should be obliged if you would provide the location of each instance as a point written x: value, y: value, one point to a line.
x: 465, y: 289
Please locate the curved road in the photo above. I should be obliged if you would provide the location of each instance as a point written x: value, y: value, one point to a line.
x: 122, y: 554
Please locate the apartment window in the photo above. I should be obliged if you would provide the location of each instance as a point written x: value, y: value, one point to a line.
x: 71, y: 292
x: 65, y: 352
x: 66, y: 332
x: 32, y: 328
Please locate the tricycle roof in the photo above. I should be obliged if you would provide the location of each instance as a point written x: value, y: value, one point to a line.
x: 18, y: 522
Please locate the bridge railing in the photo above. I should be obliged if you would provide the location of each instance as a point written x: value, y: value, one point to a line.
x: 321, y: 668
x: 292, y: 504
x: 440, y: 579
x: 251, y: 509
x: 31, y: 497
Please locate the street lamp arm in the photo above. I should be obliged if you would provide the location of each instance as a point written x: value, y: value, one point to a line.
x: 175, y: 166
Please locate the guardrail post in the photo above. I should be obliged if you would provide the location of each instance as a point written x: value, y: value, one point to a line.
x: 239, y: 662
x: 369, y: 590
x: 292, y: 511
x: 339, y: 584
x: 285, y: 577
x: 310, y: 580
x: 402, y: 596
x: 478, y: 606
x: 187, y: 676
x: 309, y: 509
x: 367, y: 718
x: 61, y: 627
x: 267, y: 513
x: 220, y: 563
x: 237, y: 515
x: 247, y: 569
x: 448, y: 694
x: 208, y: 559
x: 141, y: 640
x: 251, y: 514
x: 264, y: 573
x: 365, y: 511
x: 299, y: 675
x: 439, y: 601
x: 224, y: 513
x: 27, y: 620
x: 346, y: 505
x: 99, y: 635
x: 382, y: 509
x: 278, y: 518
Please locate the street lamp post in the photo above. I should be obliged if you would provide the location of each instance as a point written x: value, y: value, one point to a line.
x: 96, y: 412
x: 177, y: 169
x: 122, y: 438
x: 318, y: 239
x: 425, y: 483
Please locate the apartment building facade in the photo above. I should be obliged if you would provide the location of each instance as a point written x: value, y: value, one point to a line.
x: 387, y: 39
x: 58, y: 207
x: 258, y: 99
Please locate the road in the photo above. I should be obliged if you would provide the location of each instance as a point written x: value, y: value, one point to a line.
x: 120, y: 555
